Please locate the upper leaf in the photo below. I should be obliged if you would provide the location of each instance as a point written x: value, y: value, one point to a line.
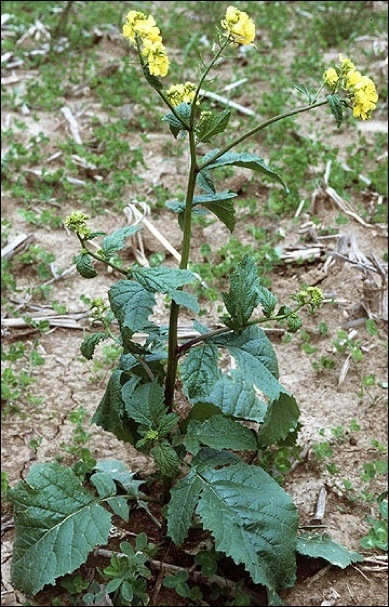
x: 242, y: 298
x: 336, y: 107
x: 57, y: 524
x: 115, y: 241
x: 162, y: 279
x: 246, y: 161
x: 267, y: 300
x: 253, y: 520
x: 200, y: 372
x: 132, y: 304
x: 84, y: 265
x: 205, y: 181
x: 212, y: 125
x: 185, y: 299
x: 221, y: 205
x: 322, y: 546
x: 183, y: 110
x: 219, y: 432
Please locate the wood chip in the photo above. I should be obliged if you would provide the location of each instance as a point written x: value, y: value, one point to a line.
x: 67, y: 112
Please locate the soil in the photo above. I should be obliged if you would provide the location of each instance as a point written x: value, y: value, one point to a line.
x: 327, y: 399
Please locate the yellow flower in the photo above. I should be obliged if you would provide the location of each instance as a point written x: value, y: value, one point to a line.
x: 364, y: 102
x: 330, y: 77
x: 240, y: 28
x: 352, y: 79
x: 345, y: 64
x: 156, y: 57
x: 181, y: 93
x: 138, y: 24
x: 363, y: 94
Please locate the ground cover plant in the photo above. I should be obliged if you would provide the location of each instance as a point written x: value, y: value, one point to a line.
x: 220, y: 437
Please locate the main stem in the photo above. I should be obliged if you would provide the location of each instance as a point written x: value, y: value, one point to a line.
x: 171, y: 373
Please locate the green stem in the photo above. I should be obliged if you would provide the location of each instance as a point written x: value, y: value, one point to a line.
x: 102, y: 259
x: 171, y: 372
x: 201, y: 338
x: 203, y: 77
x: 258, y: 128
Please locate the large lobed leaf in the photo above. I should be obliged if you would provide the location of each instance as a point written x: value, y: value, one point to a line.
x: 57, y: 524
x: 252, y: 519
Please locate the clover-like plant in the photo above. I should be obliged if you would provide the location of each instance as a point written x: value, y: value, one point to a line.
x: 200, y: 449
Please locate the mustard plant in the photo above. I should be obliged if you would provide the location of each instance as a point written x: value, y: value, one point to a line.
x: 205, y: 428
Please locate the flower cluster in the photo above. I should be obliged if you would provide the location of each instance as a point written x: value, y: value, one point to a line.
x: 181, y: 93
x: 76, y: 222
x: 313, y: 296
x: 143, y: 32
x: 361, y: 89
x: 239, y: 27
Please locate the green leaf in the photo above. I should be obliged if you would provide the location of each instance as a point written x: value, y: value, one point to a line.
x: 119, y: 506
x: 255, y: 357
x: 119, y: 472
x: 212, y: 125
x: 166, y: 459
x: 211, y: 458
x: 110, y: 413
x: 145, y: 403
x: 221, y: 205
x: 205, y: 181
x: 115, y: 241
x: 236, y: 397
x: 104, y: 484
x: 152, y: 80
x: 301, y: 88
x: 281, y: 419
x: 90, y: 342
x: 184, y: 498
x: 132, y: 304
x: 336, y: 108
x: 253, y: 520
x: 185, y: 299
x: 200, y: 372
x: 267, y: 300
x: 162, y: 279
x: 84, y: 265
x: 219, y: 432
x: 57, y: 524
x: 322, y: 546
x: 242, y: 298
x: 183, y: 110
x: 246, y: 161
